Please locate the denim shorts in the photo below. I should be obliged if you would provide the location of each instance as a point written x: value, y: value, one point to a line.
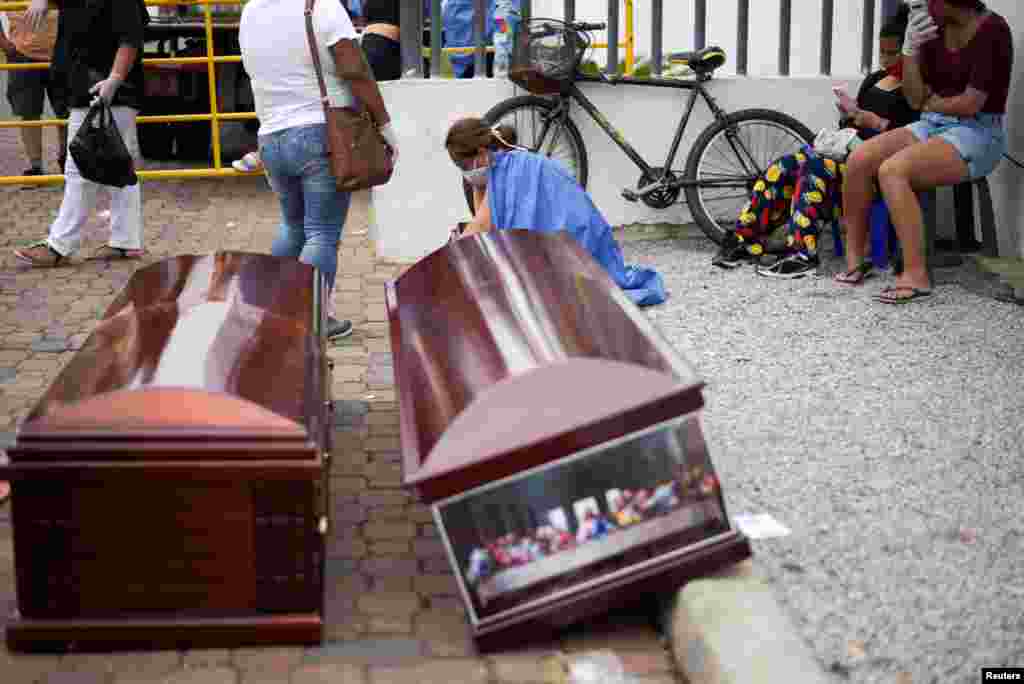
x: 980, y: 140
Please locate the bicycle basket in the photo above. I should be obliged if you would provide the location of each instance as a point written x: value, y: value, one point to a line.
x: 547, y: 54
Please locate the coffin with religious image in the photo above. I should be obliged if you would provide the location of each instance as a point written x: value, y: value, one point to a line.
x: 554, y: 432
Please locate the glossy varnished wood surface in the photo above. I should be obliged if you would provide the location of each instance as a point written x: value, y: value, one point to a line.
x: 170, y: 487
x: 223, y: 341
x: 523, y: 334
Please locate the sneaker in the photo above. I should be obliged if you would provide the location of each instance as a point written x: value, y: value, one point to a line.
x: 250, y: 163
x: 338, y: 329
x: 733, y: 253
x: 794, y: 266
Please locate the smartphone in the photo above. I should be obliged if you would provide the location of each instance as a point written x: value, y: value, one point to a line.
x: 843, y: 100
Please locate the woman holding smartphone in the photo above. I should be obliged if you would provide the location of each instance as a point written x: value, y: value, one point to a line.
x: 958, y: 58
x: 803, y: 191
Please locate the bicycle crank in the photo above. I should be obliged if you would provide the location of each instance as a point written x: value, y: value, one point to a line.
x: 661, y: 196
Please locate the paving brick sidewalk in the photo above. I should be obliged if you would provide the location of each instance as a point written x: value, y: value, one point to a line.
x: 392, y: 613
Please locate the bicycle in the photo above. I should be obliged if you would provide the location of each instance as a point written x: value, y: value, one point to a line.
x: 546, y: 62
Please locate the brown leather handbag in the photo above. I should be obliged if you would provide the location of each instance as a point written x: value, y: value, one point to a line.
x: 360, y: 157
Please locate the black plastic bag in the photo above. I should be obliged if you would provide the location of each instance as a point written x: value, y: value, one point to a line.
x: 99, y: 151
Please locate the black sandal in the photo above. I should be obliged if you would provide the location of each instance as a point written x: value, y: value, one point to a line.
x: 857, y: 276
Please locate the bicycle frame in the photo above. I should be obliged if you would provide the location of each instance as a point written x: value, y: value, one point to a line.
x: 696, y: 88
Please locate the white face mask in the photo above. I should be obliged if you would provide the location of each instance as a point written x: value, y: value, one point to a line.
x: 477, y: 177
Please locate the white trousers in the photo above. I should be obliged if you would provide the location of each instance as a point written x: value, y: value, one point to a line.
x: 80, y: 194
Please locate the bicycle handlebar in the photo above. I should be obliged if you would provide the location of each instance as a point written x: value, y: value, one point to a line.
x: 585, y: 26
x: 578, y: 26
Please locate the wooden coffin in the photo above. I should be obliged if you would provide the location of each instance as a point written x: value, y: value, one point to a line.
x: 554, y: 432
x: 169, y: 488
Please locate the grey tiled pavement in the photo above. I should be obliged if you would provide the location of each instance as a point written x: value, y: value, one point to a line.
x: 391, y: 608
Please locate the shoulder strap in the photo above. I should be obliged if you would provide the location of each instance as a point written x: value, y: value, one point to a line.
x: 315, y: 53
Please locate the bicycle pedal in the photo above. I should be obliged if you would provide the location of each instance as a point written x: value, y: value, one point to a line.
x: 630, y: 195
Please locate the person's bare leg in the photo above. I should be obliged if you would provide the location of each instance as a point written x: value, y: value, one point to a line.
x: 32, y: 141
x: 921, y: 167
x: 859, y: 188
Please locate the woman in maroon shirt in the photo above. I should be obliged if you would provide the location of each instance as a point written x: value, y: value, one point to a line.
x: 957, y: 61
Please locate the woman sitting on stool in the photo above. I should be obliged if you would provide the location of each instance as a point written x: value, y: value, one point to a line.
x: 958, y: 57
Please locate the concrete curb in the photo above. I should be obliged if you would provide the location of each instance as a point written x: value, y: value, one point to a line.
x: 729, y: 629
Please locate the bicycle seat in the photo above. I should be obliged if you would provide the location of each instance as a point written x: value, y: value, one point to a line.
x: 701, y: 61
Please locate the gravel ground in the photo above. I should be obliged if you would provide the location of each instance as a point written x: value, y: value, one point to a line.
x: 888, y: 439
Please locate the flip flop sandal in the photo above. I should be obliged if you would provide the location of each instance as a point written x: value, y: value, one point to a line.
x: 855, y: 277
x: 52, y: 254
x: 108, y: 253
x: 889, y: 296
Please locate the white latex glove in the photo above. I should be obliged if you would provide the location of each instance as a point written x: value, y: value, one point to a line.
x: 35, y: 15
x: 920, y: 30
x: 105, y: 90
x: 388, y: 132
x: 917, y: 6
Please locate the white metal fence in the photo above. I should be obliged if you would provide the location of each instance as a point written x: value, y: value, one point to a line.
x: 767, y: 37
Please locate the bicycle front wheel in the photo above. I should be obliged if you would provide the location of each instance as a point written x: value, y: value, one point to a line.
x: 543, y: 128
x: 727, y: 159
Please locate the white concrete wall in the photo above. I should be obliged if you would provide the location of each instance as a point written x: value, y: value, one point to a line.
x: 1008, y: 179
x: 415, y: 211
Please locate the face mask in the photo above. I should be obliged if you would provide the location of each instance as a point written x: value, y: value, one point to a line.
x: 477, y: 177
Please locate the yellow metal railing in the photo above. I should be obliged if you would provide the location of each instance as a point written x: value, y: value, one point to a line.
x: 214, y: 116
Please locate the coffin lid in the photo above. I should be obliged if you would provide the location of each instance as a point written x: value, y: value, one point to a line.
x: 516, y: 347
x: 545, y: 403
x: 195, y: 346
x: 160, y: 411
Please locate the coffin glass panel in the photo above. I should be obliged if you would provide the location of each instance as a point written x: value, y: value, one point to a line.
x: 550, y: 531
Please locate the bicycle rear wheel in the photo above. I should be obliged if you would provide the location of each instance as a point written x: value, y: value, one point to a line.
x: 542, y: 129
x: 727, y: 159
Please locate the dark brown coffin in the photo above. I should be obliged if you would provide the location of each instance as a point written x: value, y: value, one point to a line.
x: 169, y: 488
x: 521, y: 367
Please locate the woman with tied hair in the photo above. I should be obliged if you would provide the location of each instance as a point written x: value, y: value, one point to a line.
x: 957, y: 62
x: 514, y: 188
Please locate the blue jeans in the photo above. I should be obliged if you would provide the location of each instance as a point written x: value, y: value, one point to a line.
x: 313, y: 210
